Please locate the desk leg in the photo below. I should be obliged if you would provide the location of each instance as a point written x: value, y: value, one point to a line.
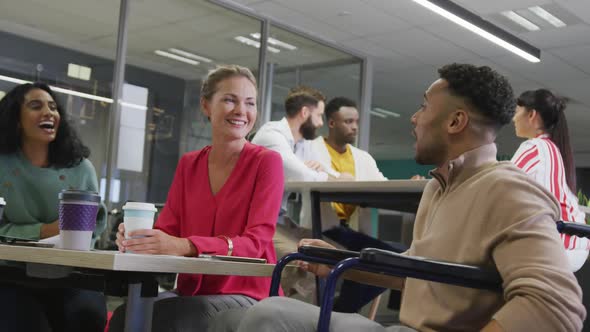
x: 316, y: 231
x: 316, y: 215
x: 138, y: 315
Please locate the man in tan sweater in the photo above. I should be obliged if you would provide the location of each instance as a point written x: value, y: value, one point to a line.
x: 476, y: 211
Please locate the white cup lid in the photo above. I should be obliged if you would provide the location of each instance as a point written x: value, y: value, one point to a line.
x: 139, y: 206
x: 2, y: 201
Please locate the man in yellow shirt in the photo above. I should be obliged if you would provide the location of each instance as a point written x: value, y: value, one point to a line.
x: 338, y: 146
x: 337, y: 151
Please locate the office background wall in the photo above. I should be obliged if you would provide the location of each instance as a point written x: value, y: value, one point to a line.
x: 41, y: 47
x: 402, y: 168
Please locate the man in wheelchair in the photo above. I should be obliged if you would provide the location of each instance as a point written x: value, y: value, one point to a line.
x: 476, y: 211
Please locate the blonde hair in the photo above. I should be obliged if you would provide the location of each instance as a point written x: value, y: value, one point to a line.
x: 221, y: 73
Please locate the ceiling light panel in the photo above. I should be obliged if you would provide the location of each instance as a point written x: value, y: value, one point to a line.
x: 379, y: 115
x: 254, y: 43
x: 547, y: 16
x: 189, y: 55
x: 275, y: 42
x: 386, y: 112
x: 514, y: 17
x: 74, y: 93
x: 483, y: 28
x: 176, y: 57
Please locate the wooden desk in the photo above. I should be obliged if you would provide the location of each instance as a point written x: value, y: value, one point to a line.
x: 105, y: 270
x: 399, y: 195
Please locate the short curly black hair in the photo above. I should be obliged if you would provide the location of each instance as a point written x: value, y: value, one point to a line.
x: 67, y: 150
x: 489, y: 92
x: 334, y: 105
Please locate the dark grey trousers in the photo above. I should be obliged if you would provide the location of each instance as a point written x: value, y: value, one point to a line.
x: 281, y: 314
x: 173, y: 313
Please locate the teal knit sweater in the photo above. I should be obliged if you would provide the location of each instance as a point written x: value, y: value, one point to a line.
x: 31, y: 194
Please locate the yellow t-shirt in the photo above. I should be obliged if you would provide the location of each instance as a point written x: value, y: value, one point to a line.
x: 343, y: 163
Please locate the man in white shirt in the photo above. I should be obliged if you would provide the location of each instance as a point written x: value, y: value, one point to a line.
x: 291, y: 137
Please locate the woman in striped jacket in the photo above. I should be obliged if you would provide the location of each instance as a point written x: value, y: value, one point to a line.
x: 547, y: 156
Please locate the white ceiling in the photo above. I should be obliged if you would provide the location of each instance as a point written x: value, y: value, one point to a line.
x: 406, y: 42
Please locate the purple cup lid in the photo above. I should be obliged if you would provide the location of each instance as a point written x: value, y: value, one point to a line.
x: 79, y: 195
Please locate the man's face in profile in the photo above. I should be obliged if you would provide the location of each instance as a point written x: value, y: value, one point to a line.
x: 314, y: 121
x: 429, y: 125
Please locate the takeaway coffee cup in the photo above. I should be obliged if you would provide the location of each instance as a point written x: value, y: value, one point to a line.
x: 137, y: 215
x: 2, y: 204
x: 77, y: 218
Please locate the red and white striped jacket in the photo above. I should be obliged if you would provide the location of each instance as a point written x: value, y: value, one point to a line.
x: 541, y: 159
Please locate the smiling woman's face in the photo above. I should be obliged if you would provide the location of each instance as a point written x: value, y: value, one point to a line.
x: 232, y: 109
x: 39, y: 118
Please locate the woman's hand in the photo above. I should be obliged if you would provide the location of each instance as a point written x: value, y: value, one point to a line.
x: 154, y: 242
x: 120, y: 237
x: 320, y: 270
x: 49, y: 230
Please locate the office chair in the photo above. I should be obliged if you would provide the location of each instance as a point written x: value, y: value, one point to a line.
x: 390, y: 263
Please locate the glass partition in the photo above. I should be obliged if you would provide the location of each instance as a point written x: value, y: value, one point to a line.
x: 296, y: 60
x: 56, y: 42
x: 171, y: 46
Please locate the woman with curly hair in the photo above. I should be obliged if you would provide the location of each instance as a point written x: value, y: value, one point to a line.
x: 40, y: 155
x: 547, y: 156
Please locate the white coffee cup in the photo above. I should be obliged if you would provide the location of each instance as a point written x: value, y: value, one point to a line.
x: 137, y: 215
x: 2, y: 205
x: 77, y: 218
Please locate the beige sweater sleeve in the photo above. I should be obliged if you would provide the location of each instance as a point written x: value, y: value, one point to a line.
x: 541, y: 293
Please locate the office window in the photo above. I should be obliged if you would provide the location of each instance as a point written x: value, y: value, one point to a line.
x: 59, y: 43
x: 296, y: 60
x: 171, y: 46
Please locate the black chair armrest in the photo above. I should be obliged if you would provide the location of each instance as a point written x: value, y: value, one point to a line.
x: 571, y: 228
x: 332, y: 254
x: 432, y: 270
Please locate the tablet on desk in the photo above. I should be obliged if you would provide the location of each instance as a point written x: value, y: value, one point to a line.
x: 234, y: 258
x: 16, y: 241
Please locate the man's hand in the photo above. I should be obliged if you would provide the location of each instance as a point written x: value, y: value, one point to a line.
x: 316, y: 166
x: 154, y: 242
x: 320, y: 270
x: 315, y: 243
x: 346, y: 177
x: 342, y: 177
x: 417, y: 177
